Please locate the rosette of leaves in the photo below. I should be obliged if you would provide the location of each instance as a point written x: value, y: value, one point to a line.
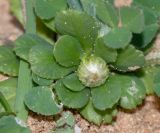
x: 92, y: 67
x: 87, y: 64
x: 98, y: 59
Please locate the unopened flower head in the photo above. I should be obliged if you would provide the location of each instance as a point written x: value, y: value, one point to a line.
x: 93, y: 71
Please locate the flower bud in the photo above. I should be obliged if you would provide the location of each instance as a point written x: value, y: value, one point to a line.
x: 93, y: 71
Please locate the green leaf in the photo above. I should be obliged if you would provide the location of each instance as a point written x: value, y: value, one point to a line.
x: 8, y: 89
x: 129, y: 59
x: 67, y: 118
x: 97, y: 116
x: 106, y: 13
x: 11, y: 124
x: 67, y: 51
x: 43, y: 63
x: 132, y: 19
x: 157, y: 83
x: 9, y: 62
x: 51, y: 8
x: 153, y: 5
x: 89, y: 7
x: 149, y: 16
x: 73, y: 83
x: 150, y: 29
x: 101, y: 50
x: 23, y: 86
x: 16, y: 9
x: 72, y: 99
x: 24, y: 77
x: 109, y: 114
x: 149, y: 33
x: 117, y: 38
x: 42, y: 100
x: 30, y: 24
x: 144, y: 39
x: 106, y: 95
x: 75, y: 4
x: 91, y: 114
x: 79, y: 25
x: 133, y: 90
x: 148, y: 75
x: 41, y: 81
x: 25, y: 42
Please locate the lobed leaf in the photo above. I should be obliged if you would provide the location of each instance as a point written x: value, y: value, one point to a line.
x: 97, y: 116
x: 43, y: 63
x: 117, y: 38
x: 106, y: 13
x: 9, y: 64
x: 25, y: 42
x: 153, y: 5
x: 41, y: 81
x: 150, y: 29
x: 157, y: 84
x: 106, y: 95
x: 72, y: 99
x: 79, y: 25
x: 147, y: 76
x: 129, y: 59
x: 106, y: 53
x: 67, y: 51
x: 73, y: 83
x: 42, y: 100
x: 132, y: 19
x: 133, y: 90
x: 51, y: 8
x: 144, y: 39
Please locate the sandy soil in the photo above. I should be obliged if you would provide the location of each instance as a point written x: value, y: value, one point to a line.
x: 145, y: 119
x: 9, y: 28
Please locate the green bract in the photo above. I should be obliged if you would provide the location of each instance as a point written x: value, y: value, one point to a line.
x: 87, y: 55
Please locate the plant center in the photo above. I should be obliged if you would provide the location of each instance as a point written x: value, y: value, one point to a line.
x: 93, y: 71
